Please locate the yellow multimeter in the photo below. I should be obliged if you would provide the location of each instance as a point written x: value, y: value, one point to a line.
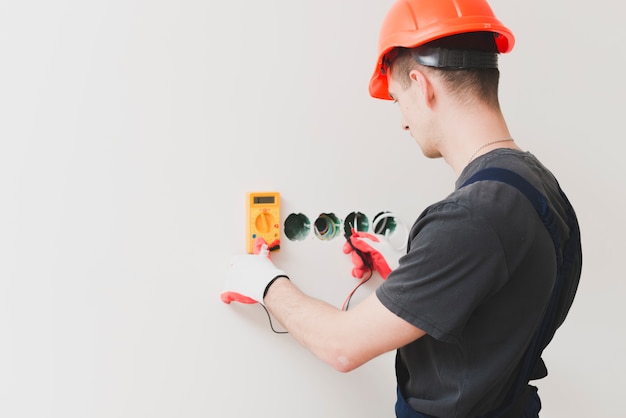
x: 263, y: 215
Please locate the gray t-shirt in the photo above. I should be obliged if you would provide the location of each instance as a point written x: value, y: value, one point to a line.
x: 477, y: 276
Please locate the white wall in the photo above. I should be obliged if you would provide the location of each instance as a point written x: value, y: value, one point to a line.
x: 131, y: 131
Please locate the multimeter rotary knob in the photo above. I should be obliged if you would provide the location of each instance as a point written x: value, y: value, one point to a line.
x: 264, y: 222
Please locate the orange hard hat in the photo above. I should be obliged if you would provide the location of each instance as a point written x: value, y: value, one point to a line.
x: 411, y: 23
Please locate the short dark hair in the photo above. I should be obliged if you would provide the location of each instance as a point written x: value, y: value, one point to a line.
x: 469, y: 84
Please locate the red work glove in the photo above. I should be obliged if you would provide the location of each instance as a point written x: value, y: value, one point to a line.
x: 371, y: 252
x: 249, y: 276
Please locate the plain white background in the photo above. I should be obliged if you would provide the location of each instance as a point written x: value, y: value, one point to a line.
x: 130, y: 132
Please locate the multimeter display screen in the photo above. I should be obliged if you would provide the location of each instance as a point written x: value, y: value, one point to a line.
x: 263, y: 199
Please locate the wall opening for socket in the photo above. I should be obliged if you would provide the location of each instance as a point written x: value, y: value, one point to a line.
x: 327, y: 226
x: 384, y: 223
x: 297, y: 227
x: 356, y: 220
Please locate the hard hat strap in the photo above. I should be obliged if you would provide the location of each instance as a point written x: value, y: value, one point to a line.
x: 454, y: 58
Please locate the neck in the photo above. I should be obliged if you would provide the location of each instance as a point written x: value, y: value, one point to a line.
x: 469, y: 134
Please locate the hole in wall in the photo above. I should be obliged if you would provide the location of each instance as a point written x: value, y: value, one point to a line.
x: 356, y: 220
x: 297, y: 226
x: 384, y: 223
x: 327, y: 226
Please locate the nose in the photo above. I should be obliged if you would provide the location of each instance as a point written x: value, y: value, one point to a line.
x: 405, y: 127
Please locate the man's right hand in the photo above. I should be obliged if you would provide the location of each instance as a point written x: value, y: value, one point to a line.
x: 371, y: 252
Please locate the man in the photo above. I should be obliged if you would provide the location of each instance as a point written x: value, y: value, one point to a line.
x: 490, y: 272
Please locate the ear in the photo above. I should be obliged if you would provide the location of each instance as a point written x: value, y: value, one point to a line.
x: 423, y: 82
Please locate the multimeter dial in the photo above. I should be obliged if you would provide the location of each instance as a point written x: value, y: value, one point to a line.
x: 264, y: 222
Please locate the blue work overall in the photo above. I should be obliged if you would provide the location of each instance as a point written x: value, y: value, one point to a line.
x: 522, y: 400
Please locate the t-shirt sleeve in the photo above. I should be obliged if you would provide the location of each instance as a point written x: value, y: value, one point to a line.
x: 455, y: 260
